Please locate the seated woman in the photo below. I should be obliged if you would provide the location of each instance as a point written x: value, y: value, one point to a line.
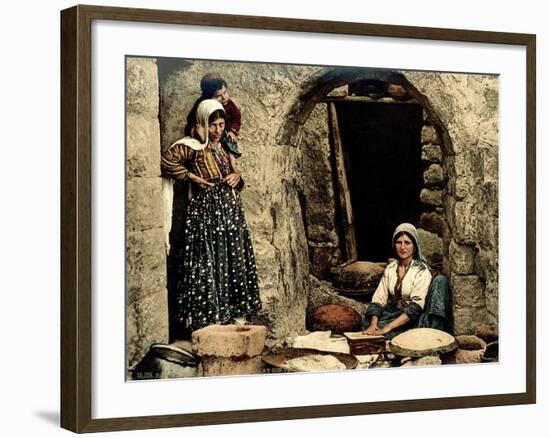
x: 406, y: 296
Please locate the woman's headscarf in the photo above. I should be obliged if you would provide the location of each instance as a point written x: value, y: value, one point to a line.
x: 411, y: 229
x: 204, y: 110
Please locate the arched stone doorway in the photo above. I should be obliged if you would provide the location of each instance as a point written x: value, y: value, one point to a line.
x: 356, y: 192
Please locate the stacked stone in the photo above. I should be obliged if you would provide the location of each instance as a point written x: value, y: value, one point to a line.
x: 431, y: 196
x: 467, y: 107
x: 147, y: 306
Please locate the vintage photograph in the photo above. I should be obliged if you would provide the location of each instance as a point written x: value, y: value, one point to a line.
x: 297, y: 218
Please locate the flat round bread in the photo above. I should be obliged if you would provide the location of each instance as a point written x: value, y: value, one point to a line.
x: 315, y: 362
x: 422, y: 342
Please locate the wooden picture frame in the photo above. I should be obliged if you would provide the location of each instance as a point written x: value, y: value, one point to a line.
x: 76, y: 218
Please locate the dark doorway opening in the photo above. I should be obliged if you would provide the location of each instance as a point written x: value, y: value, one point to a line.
x: 382, y: 152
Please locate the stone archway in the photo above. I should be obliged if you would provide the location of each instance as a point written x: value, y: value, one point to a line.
x: 453, y: 220
x: 437, y: 150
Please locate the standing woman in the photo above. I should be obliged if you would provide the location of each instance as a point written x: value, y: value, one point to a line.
x: 406, y: 296
x: 217, y: 279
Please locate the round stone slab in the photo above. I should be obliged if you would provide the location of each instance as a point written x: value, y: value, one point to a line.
x: 422, y: 342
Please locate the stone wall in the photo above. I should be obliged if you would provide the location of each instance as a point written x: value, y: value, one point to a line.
x: 146, y: 299
x: 319, y: 194
x: 272, y: 173
x: 289, y: 196
x: 463, y: 110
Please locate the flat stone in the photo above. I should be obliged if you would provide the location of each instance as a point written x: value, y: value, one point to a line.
x: 229, y: 340
x: 422, y: 342
x: 334, y: 317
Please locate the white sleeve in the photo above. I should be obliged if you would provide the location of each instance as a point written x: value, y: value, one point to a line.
x: 420, y: 287
x: 381, y: 294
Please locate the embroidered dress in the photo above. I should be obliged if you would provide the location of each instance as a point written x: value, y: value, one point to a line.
x: 217, y: 279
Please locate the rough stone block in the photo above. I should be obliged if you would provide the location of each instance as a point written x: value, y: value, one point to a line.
x: 146, y: 323
x: 468, y: 291
x: 487, y: 231
x: 490, y: 164
x: 142, y: 146
x: 449, y: 203
x: 429, y: 135
x: 463, y: 187
x: 237, y: 341
x: 431, y: 153
x: 431, y: 197
x: 469, y: 172
x: 142, y: 87
x: 488, y: 198
x: 144, y: 205
x: 432, y: 246
x: 432, y: 222
x: 467, y: 318
x: 433, y: 175
x: 462, y: 258
x: 145, y: 263
x: 464, y: 219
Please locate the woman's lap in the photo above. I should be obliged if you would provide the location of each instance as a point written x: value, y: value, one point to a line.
x: 436, y: 314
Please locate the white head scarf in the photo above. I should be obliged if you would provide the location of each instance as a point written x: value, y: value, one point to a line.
x: 204, y: 110
x: 411, y: 229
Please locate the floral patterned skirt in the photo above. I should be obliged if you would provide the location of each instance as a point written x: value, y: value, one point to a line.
x: 217, y: 278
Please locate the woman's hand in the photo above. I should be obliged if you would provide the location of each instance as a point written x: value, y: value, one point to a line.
x: 232, y: 179
x: 376, y: 331
x: 202, y: 183
x: 371, y: 330
x: 232, y: 136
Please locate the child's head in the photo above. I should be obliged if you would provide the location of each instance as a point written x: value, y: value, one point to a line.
x: 213, y: 86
